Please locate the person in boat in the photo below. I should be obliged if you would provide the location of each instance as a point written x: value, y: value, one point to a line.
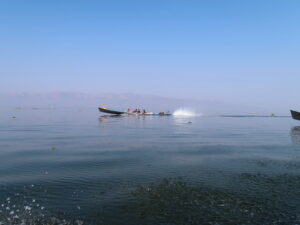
x: 135, y: 111
x: 138, y: 111
x: 144, y: 111
x: 161, y: 113
x: 129, y: 110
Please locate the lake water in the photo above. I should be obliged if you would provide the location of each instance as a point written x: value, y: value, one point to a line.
x: 76, y: 166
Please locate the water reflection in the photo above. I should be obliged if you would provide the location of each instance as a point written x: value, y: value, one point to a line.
x: 108, y: 118
x: 130, y: 119
x: 295, y: 135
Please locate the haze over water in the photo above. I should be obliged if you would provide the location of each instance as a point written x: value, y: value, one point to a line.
x: 74, y: 166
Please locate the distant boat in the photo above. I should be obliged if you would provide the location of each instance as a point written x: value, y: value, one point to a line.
x: 295, y: 115
x: 116, y: 112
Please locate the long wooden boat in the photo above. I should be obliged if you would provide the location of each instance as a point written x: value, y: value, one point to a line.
x: 116, y: 112
x: 295, y: 115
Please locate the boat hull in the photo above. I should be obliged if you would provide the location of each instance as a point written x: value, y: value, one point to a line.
x: 141, y: 114
x: 295, y: 115
x: 115, y: 112
x: 110, y: 111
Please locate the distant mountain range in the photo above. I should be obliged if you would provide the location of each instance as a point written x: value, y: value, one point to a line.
x: 121, y: 101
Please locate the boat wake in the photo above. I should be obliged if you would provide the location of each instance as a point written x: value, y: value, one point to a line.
x: 184, y: 112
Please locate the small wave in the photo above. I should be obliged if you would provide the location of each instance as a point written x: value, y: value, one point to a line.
x: 184, y: 112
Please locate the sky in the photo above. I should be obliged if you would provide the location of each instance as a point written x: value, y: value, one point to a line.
x: 236, y: 51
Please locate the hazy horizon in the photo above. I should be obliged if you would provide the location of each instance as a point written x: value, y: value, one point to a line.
x: 128, y: 100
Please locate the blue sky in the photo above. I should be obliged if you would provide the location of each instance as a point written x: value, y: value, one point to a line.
x: 237, y: 51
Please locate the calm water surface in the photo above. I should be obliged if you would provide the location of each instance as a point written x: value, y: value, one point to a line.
x: 71, y: 166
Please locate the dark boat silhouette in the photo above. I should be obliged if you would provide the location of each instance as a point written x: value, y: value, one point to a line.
x: 111, y: 111
x: 295, y: 115
x: 116, y: 112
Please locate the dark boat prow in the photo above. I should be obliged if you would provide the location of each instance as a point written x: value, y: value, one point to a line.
x: 115, y: 112
x: 295, y: 115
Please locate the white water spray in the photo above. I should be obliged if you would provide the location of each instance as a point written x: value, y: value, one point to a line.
x: 184, y: 112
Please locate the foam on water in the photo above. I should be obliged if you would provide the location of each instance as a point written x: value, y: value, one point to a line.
x: 184, y: 112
